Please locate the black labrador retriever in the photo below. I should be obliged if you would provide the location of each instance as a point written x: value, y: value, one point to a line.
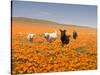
x: 64, y: 38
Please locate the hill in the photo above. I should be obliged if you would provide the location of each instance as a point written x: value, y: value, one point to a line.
x: 21, y: 24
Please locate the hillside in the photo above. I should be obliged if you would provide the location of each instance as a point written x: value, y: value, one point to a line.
x: 23, y: 19
x: 21, y: 24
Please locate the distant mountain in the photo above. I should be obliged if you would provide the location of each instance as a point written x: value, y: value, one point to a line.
x: 23, y: 19
x: 45, y: 22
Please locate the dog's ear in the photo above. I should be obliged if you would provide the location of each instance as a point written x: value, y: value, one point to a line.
x: 65, y: 30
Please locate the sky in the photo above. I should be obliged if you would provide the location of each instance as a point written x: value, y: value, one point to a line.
x: 83, y: 15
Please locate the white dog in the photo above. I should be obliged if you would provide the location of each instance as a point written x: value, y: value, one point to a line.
x: 50, y: 36
x: 30, y: 37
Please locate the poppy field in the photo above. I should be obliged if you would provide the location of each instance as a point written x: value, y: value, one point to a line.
x: 40, y: 56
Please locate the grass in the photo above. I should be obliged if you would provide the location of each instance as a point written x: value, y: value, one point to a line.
x: 80, y: 49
